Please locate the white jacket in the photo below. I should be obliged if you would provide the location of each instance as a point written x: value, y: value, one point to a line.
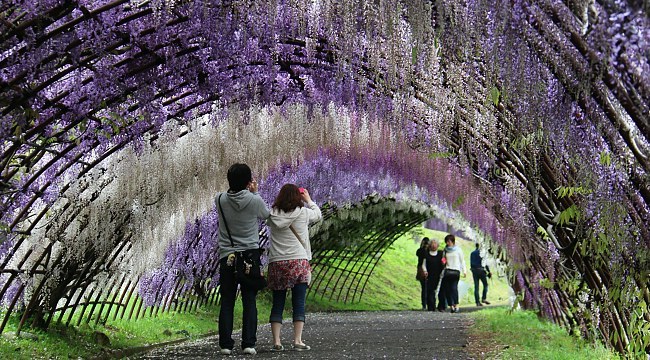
x: 284, y: 244
x: 455, y: 259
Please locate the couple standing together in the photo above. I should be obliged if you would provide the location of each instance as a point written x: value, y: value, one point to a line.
x: 440, y: 269
x: 240, y: 209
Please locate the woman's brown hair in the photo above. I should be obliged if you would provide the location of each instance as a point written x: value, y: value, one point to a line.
x: 451, y: 238
x: 288, y: 199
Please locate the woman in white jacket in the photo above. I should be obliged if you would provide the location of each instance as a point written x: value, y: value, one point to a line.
x: 455, y: 265
x: 289, y: 257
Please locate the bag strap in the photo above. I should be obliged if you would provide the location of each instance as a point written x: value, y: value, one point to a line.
x: 224, y: 221
x: 293, y: 230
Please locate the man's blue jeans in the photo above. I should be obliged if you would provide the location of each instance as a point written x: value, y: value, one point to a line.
x: 228, y: 291
x: 480, y: 274
x: 298, y: 294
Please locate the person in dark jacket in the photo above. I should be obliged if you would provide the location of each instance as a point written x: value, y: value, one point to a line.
x: 433, y: 262
x: 421, y: 254
x: 479, y: 273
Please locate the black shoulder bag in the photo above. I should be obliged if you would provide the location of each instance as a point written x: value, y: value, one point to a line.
x: 449, y: 272
x: 248, y: 267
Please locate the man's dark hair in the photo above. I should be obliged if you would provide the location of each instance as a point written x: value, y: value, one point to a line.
x: 477, y: 245
x: 239, y: 175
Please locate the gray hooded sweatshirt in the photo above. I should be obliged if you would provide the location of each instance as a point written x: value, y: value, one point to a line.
x: 243, y: 210
x: 284, y: 243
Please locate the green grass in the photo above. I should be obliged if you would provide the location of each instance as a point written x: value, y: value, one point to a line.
x: 505, y: 334
x: 392, y: 286
x: 56, y: 343
x: 61, y: 342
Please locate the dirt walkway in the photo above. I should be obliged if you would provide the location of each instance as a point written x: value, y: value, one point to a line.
x: 349, y: 335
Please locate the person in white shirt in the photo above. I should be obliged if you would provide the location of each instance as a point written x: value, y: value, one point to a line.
x: 289, y: 257
x: 455, y: 265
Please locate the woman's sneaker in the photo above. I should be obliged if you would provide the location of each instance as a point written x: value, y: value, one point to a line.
x: 301, y: 347
x: 225, y: 351
x: 250, y: 351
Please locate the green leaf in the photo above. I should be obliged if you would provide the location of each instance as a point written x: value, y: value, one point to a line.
x: 605, y: 158
x: 584, y: 243
x: 569, y: 214
x: 615, y: 337
x: 495, y: 94
x: 414, y: 55
x: 568, y: 191
x: 438, y: 155
x: 546, y: 283
x: 115, y: 127
x: 31, y: 114
x: 458, y: 202
x: 603, y: 238
x: 436, y: 45
x: 542, y: 232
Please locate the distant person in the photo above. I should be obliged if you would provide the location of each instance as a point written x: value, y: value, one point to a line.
x: 422, y: 271
x: 289, y: 258
x: 434, y: 265
x: 479, y: 272
x: 455, y: 265
x: 239, y: 209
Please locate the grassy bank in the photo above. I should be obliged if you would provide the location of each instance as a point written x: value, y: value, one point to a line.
x: 499, y: 333
x: 87, y: 341
x: 495, y: 335
x: 72, y: 342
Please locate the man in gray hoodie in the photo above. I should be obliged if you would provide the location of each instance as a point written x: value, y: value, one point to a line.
x: 240, y: 209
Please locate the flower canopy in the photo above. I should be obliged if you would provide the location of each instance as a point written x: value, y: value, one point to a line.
x: 525, y: 122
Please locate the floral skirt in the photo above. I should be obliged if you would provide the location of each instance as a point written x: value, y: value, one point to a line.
x: 287, y: 273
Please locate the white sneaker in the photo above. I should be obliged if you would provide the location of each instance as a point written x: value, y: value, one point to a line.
x: 250, y: 351
x: 225, y: 351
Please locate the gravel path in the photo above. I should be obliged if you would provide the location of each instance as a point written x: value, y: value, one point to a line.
x: 349, y: 335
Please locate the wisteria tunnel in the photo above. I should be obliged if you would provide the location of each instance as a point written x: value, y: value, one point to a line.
x: 526, y: 123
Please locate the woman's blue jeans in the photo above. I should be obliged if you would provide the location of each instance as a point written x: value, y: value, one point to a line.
x: 450, y: 282
x: 298, y: 294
